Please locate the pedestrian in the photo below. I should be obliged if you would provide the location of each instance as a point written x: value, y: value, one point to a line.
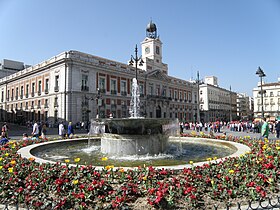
x: 265, y: 128
x: 44, y: 131
x: 70, y: 130
x: 5, y: 129
x: 61, y: 131
x: 35, y: 130
x: 277, y: 128
x: 25, y: 136
x: 4, y: 140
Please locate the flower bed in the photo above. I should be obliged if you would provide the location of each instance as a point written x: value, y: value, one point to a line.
x: 252, y: 176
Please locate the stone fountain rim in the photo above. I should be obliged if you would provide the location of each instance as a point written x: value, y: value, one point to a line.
x: 242, y: 149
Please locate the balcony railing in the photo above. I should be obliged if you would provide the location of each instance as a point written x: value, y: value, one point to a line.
x: 123, y: 93
x: 113, y: 92
x: 39, y: 92
x: 47, y: 91
x: 26, y: 95
x: 84, y: 88
x: 102, y: 90
x: 32, y: 94
x: 55, y: 104
x: 46, y: 106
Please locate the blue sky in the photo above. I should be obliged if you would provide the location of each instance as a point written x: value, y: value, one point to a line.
x: 225, y: 38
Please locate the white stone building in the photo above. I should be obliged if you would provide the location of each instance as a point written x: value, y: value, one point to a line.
x: 216, y: 103
x: 271, y: 99
x: 244, y: 106
x: 75, y: 86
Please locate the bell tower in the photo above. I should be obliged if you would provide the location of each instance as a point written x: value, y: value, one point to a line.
x: 152, y: 50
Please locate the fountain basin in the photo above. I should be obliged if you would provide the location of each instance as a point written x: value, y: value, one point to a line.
x: 32, y: 151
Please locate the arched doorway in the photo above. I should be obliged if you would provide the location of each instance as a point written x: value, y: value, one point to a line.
x: 158, y: 112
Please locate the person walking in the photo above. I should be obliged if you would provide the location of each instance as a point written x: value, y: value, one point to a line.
x: 277, y: 128
x: 35, y: 130
x: 61, y: 131
x: 44, y: 131
x: 70, y: 130
x: 265, y: 128
x: 4, y: 130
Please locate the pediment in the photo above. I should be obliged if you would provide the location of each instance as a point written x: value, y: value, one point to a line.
x: 158, y: 75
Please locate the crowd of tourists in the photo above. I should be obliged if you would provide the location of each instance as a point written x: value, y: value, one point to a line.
x: 254, y: 126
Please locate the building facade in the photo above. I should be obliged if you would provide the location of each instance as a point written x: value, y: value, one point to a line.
x: 244, y: 107
x: 75, y: 86
x: 216, y: 103
x: 271, y: 99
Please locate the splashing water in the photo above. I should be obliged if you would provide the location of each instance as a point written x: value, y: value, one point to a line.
x: 135, y: 100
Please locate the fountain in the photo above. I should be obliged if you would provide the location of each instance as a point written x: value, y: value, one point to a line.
x: 136, y: 135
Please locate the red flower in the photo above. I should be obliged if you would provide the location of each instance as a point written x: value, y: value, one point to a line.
x: 258, y: 189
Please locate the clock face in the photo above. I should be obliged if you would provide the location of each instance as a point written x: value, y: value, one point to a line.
x: 147, y: 50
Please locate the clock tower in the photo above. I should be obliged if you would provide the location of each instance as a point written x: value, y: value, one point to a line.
x: 152, y: 50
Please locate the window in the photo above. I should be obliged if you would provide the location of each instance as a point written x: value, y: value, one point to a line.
x: 39, y: 104
x: 271, y: 94
x: 33, y: 89
x: 180, y: 95
x: 102, y: 84
x: 141, y: 89
x: 175, y: 94
x: 157, y: 50
x: 47, y: 86
x: 16, y: 93
x: 113, y: 87
x: 151, y: 90
x: 46, y: 103
x: 27, y: 91
x: 21, y: 92
x: 84, y: 82
x: 157, y: 90
x: 56, y: 83
x: 123, y: 88
x: 12, y: 97
x: 39, y: 87
x: 2, y: 96
x: 26, y: 105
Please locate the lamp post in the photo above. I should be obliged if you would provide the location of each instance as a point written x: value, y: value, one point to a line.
x: 198, y: 98
x: 230, y: 104
x: 135, y: 60
x: 261, y: 74
x: 99, y: 101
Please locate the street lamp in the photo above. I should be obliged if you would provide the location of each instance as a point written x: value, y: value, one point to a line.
x: 135, y: 60
x: 230, y: 104
x: 261, y: 75
x: 99, y: 101
x: 198, y: 82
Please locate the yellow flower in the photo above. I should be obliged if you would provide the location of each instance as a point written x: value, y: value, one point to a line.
x: 1, y: 167
x: 6, y: 154
x: 67, y: 161
x: 270, y: 180
x: 212, y: 182
x: 121, y: 170
x: 76, y: 160
x: 144, y: 178
x: 236, y: 165
x: 278, y: 148
x: 75, y: 181
x: 109, y: 167
x: 13, y: 162
x: 104, y: 159
x: 11, y: 170
x: 231, y: 171
x: 209, y: 159
x: 191, y: 162
x: 215, y: 158
x: 1, y: 158
x: 31, y: 158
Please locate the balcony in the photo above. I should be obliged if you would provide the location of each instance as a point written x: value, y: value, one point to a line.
x: 21, y: 96
x: 38, y: 106
x: 84, y: 88
x: 39, y: 92
x: 47, y: 91
x: 123, y: 93
x: 32, y: 94
x: 113, y: 106
x: 102, y: 90
x: 113, y: 92
x: 56, y: 88
x: 46, y: 106
x: 55, y: 104
x: 26, y: 95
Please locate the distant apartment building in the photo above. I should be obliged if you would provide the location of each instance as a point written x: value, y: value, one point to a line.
x: 216, y: 103
x: 75, y: 86
x: 271, y: 99
x: 244, y: 106
x: 8, y: 67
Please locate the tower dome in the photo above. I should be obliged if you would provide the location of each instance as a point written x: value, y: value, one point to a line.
x: 151, y: 30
